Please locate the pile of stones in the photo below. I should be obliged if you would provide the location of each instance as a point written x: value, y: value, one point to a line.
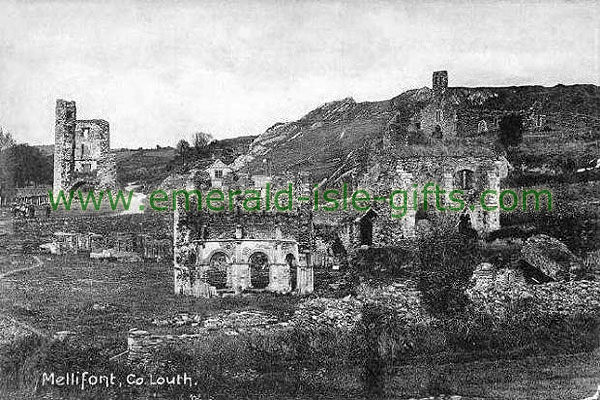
x: 401, y: 297
x: 243, y: 322
x: 565, y: 298
x: 326, y: 312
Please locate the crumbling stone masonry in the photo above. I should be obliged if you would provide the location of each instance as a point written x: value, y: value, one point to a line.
x: 377, y: 228
x: 439, y: 117
x: 81, y: 150
x: 232, y: 251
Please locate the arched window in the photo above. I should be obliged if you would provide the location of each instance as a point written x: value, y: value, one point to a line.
x: 366, y: 228
x: 464, y: 179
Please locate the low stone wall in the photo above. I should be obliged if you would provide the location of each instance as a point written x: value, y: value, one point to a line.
x: 141, y: 344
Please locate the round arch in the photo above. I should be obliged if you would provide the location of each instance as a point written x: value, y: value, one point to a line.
x: 259, y: 270
x: 216, y: 274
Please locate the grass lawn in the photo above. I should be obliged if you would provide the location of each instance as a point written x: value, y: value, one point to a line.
x: 554, y: 377
x: 61, y: 295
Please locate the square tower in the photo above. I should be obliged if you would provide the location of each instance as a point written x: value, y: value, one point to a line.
x: 440, y: 82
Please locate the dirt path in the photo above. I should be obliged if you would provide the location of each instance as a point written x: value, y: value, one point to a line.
x: 38, y: 264
x: 137, y: 200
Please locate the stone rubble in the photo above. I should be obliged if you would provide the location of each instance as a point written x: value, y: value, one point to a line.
x: 228, y: 322
x: 325, y: 312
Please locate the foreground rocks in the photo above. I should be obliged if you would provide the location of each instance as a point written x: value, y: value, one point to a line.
x: 551, y: 257
x: 323, y: 312
x: 563, y: 298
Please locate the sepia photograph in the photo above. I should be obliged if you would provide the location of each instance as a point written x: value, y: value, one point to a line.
x: 302, y: 199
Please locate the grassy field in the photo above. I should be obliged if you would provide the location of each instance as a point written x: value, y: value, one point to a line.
x: 558, y: 377
x: 61, y: 294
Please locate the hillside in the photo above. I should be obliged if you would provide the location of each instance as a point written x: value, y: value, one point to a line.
x: 337, y: 135
x: 150, y: 167
x: 319, y: 142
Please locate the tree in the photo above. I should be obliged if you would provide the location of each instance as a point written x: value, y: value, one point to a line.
x: 6, y: 139
x: 22, y: 165
x: 445, y: 260
x: 182, y: 149
x: 511, y: 130
x: 201, y: 141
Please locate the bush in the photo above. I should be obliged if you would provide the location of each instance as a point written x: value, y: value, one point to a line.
x: 23, y: 361
x: 445, y: 261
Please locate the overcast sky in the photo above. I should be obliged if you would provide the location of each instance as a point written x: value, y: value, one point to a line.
x: 159, y: 71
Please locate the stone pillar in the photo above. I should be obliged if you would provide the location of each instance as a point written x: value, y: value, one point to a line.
x: 448, y: 186
x: 240, y: 276
x: 305, y: 280
x: 279, y: 278
x: 492, y: 218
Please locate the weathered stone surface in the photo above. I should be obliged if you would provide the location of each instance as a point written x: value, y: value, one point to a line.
x: 81, y: 151
x: 563, y: 298
x: 333, y: 313
x: 483, y: 275
x: 552, y: 257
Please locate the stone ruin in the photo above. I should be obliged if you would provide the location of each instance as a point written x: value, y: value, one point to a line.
x: 218, y: 253
x: 377, y: 228
x: 82, y: 157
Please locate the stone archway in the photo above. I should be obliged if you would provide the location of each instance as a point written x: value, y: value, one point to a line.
x: 365, y: 227
x: 83, y: 185
x: 259, y: 270
x: 216, y: 275
x: 290, y: 260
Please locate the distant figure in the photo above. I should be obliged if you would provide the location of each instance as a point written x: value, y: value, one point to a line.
x: 465, y: 227
x: 48, y: 209
x: 30, y: 211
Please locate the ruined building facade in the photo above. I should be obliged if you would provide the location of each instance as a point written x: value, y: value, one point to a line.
x: 236, y: 250
x: 442, y: 112
x: 439, y: 117
x: 82, y: 155
x: 384, y: 226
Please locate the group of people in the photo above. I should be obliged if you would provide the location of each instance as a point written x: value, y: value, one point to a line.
x: 26, y: 210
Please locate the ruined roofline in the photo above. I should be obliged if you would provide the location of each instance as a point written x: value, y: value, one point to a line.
x: 93, y: 121
x: 243, y: 240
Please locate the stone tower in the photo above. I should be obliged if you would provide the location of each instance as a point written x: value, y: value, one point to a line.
x: 64, y: 143
x: 440, y: 82
x: 82, y: 157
